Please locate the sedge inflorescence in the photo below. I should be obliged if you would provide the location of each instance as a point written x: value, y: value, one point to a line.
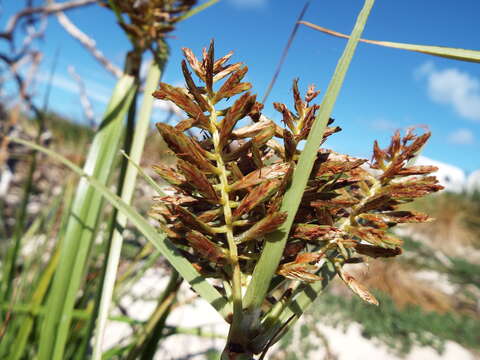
x: 227, y: 185
x: 150, y: 20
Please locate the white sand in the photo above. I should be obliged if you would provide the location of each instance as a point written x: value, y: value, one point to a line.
x: 349, y: 345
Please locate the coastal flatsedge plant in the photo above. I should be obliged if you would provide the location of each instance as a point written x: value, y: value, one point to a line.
x: 229, y: 182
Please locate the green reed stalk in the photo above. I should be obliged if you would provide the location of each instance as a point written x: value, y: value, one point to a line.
x: 82, y: 222
x: 140, y: 134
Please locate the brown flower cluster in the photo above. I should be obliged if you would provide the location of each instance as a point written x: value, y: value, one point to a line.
x: 150, y: 20
x: 227, y: 185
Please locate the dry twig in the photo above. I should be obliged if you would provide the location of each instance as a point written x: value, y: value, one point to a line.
x: 44, y: 10
x: 86, y: 105
x: 88, y: 43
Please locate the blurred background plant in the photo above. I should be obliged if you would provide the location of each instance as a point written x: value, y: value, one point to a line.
x: 77, y: 253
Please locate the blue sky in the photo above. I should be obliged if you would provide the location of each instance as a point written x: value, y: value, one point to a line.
x: 385, y: 89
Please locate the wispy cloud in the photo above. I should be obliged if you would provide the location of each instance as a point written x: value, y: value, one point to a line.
x: 461, y: 137
x: 383, y: 124
x: 95, y: 91
x: 452, y: 87
x: 249, y: 3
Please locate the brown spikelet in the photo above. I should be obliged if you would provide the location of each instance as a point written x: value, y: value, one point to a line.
x: 205, y: 247
x: 193, y: 89
x: 218, y: 64
x: 379, y: 156
x: 302, y: 268
x: 311, y: 232
x: 417, y: 170
x: 377, y: 251
x: 256, y: 177
x: 307, y: 123
x: 238, y: 111
x: 358, y: 288
x: 197, y: 179
x: 287, y: 115
x: 208, y: 63
x: 186, y: 148
x: 169, y: 174
x: 297, y: 99
x: 258, y: 195
x: 268, y: 224
x: 413, y: 188
x: 194, y: 63
x: 302, y: 272
x: 183, y: 101
x: 191, y: 220
x: 251, y: 130
x: 233, y: 86
x: 311, y: 93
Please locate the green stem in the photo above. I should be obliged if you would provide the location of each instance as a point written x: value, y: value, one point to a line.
x: 236, y: 334
x: 80, y: 229
x: 128, y: 187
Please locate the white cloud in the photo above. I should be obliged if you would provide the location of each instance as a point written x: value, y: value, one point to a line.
x: 453, y: 87
x: 384, y: 124
x: 249, y: 3
x: 95, y: 91
x: 461, y: 137
x: 167, y: 106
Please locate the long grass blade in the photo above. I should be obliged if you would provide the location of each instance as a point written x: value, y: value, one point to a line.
x: 19, y: 326
x: 31, y: 285
x: 198, y: 9
x: 37, y: 299
x: 82, y: 222
x: 140, y: 134
x: 440, y: 51
x: 182, y: 265
x: 275, y: 242
x: 144, y: 175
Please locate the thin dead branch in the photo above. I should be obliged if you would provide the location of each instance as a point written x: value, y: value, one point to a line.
x: 88, y: 43
x: 47, y: 10
x: 86, y: 105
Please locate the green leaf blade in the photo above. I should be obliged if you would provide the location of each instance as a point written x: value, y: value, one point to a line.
x: 276, y: 241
